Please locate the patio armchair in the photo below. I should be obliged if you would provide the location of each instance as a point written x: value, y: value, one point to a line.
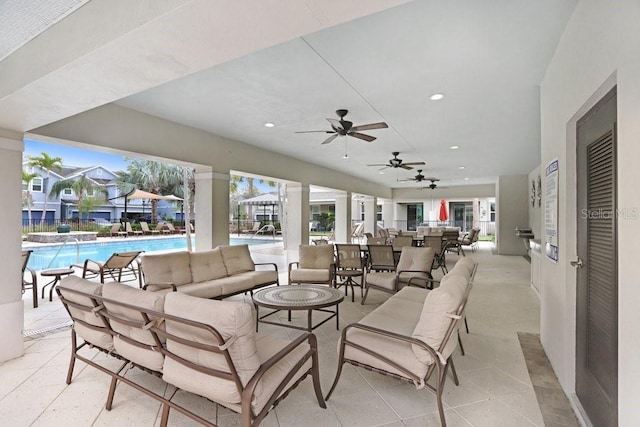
x: 349, y: 266
x: 146, y: 230
x: 470, y: 239
x: 316, y: 265
x: 118, y: 265
x: 435, y: 242
x: 414, y: 268
x: 402, y: 240
x: 32, y: 281
x: 381, y: 258
x: 376, y: 241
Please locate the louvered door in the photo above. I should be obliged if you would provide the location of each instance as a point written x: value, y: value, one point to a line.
x: 597, y: 287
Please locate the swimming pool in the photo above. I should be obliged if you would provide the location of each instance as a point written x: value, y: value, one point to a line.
x: 101, y: 251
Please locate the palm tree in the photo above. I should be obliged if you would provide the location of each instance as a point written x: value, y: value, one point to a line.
x: 154, y: 177
x: 27, y: 199
x: 47, y: 163
x: 81, y: 187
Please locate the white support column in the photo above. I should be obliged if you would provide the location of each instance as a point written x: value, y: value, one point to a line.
x: 370, y: 215
x: 212, y: 210
x: 342, y: 226
x: 400, y: 216
x: 11, y: 305
x: 297, y: 207
x: 388, y: 211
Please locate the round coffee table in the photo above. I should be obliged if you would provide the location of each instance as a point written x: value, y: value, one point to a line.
x: 298, y: 297
x: 57, y: 273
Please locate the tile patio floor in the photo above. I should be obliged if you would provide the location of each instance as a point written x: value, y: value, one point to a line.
x: 495, y: 388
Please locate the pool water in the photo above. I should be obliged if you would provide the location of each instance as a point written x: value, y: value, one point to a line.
x: 41, y: 257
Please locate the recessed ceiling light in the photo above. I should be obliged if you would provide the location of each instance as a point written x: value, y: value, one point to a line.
x: 269, y: 125
x: 436, y: 97
x: 454, y: 147
x: 346, y: 156
x: 466, y: 179
x: 381, y: 172
x: 460, y: 167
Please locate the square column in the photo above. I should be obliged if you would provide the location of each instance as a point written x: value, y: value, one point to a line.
x: 11, y: 305
x: 370, y: 215
x: 342, y: 226
x: 388, y: 212
x: 297, y: 226
x: 212, y: 209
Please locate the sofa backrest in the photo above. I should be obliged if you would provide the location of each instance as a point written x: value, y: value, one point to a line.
x: 440, y: 313
x: 207, y: 265
x: 131, y: 339
x: 76, y: 294
x: 414, y: 259
x: 173, y: 267
x: 225, y: 333
x: 237, y: 259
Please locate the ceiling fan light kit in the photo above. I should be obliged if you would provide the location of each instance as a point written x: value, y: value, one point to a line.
x: 396, y: 162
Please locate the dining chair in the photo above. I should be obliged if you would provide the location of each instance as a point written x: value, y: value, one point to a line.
x: 349, y: 266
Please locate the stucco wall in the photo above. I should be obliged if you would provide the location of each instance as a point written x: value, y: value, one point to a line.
x: 511, y: 213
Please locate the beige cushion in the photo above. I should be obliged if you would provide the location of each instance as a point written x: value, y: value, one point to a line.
x: 207, y: 265
x: 435, y: 318
x: 309, y: 275
x: 382, y: 279
x: 171, y: 267
x: 234, y: 321
x: 98, y: 338
x: 465, y: 263
x: 267, y: 347
x: 237, y: 283
x: 316, y: 257
x: 208, y: 289
x: 237, y: 259
x: 147, y: 357
x: 416, y: 259
x: 262, y: 277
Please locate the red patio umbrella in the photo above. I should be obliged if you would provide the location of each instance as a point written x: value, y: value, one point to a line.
x: 443, y: 210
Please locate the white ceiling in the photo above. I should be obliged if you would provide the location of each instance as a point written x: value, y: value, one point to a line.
x: 487, y: 58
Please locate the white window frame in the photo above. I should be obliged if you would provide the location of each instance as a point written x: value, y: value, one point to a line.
x: 33, y: 184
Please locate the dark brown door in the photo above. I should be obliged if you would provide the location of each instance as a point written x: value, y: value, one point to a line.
x: 597, y: 278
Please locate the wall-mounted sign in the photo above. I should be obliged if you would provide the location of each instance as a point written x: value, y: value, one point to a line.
x: 551, y: 210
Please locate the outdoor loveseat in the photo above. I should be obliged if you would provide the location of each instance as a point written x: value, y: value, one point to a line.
x: 410, y: 336
x: 201, y: 346
x: 217, y: 273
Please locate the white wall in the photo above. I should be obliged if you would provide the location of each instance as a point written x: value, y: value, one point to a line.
x: 511, y: 212
x: 599, y: 48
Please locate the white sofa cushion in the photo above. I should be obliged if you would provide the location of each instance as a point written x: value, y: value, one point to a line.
x: 309, y: 275
x: 147, y: 357
x: 237, y: 259
x: 435, y: 318
x: 173, y: 267
x: 234, y: 321
x: 98, y: 338
x: 207, y: 265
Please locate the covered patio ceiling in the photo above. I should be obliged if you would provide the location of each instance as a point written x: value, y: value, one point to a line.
x: 231, y: 68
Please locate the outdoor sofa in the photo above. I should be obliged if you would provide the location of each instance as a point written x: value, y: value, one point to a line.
x: 411, y: 335
x: 202, y: 346
x: 217, y: 273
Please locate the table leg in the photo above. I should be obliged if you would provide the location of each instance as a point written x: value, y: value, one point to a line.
x: 53, y: 285
x: 337, y: 317
x: 309, y: 324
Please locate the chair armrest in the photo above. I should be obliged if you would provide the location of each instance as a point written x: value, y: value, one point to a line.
x: 291, y: 264
x: 162, y: 285
x: 426, y: 282
x: 249, y: 390
x: 34, y: 276
x: 275, y: 267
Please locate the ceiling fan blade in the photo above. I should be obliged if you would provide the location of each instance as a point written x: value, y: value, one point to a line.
x: 414, y: 163
x: 359, y: 135
x: 379, y: 164
x: 336, y: 124
x: 331, y: 138
x: 380, y: 125
x: 430, y: 178
x: 405, y: 166
x: 315, y: 131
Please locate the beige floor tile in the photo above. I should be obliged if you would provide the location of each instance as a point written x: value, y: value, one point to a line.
x: 492, y: 413
x: 525, y: 404
x: 463, y: 394
x: 494, y: 382
x: 453, y: 420
x: 290, y: 414
x: 362, y: 409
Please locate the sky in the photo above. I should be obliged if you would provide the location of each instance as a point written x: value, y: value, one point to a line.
x: 74, y: 156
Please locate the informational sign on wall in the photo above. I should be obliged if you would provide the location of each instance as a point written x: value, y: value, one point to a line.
x: 551, y: 210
